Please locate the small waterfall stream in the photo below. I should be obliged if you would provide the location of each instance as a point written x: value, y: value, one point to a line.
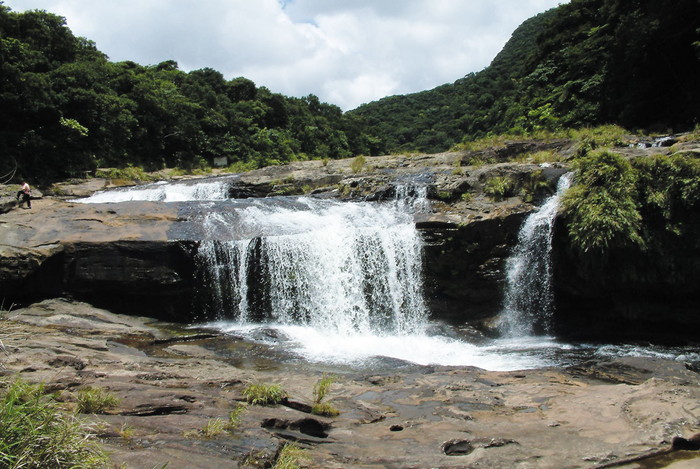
x: 528, y: 302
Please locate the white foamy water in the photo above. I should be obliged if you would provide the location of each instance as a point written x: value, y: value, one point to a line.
x: 338, y: 267
x: 358, y: 349
x: 162, y: 192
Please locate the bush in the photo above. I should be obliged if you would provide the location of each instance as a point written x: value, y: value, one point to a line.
x: 95, y: 400
x: 499, y: 187
x: 35, y: 433
x: 601, y: 208
x: 264, y: 394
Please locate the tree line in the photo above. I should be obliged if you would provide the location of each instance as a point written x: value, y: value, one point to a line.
x: 65, y: 110
x: 634, y: 63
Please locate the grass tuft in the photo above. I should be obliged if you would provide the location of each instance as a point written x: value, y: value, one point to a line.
x: 357, y: 164
x: 95, y: 400
x: 264, y: 394
x: 290, y: 456
x: 35, y: 433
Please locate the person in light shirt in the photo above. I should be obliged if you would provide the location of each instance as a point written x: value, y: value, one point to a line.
x: 26, y: 194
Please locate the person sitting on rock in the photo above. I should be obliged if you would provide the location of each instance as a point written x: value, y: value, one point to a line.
x: 25, y: 192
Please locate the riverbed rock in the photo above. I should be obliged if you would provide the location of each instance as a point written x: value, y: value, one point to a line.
x: 604, y: 411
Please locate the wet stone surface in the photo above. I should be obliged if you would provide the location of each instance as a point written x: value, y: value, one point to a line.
x: 173, y: 381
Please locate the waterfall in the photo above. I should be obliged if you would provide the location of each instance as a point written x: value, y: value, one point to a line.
x: 350, y: 268
x: 163, y: 192
x: 528, y: 302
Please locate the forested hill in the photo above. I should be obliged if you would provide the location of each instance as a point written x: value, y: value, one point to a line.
x: 635, y: 63
x: 66, y: 109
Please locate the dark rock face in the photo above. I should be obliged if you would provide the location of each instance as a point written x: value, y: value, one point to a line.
x: 148, y: 278
x: 624, y: 296
x: 145, y: 277
x: 464, y: 267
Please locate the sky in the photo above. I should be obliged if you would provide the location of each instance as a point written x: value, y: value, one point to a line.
x: 346, y: 52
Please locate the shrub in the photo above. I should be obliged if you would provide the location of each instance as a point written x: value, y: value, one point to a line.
x: 499, y: 187
x: 95, y: 400
x: 601, y: 209
x: 264, y: 394
x: 290, y: 456
x: 357, y: 164
x: 35, y: 433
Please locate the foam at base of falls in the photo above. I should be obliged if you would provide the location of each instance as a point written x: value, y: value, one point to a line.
x: 358, y: 350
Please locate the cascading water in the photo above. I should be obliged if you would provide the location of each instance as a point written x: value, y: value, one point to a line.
x: 163, y: 192
x: 341, y: 282
x: 348, y: 268
x: 528, y: 298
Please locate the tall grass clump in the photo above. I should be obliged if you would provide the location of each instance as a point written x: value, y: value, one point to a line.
x: 601, y: 208
x: 321, y: 389
x: 264, y: 394
x: 35, y: 433
x: 358, y: 163
x: 96, y: 400
x: 291, y: 456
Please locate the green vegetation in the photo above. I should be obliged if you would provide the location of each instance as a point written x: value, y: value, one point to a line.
x: 129, y: 173
x: 216, y: 426
x: 35, y: 433
x: 601, y: 206
x: 642, y: 204
x: 499, y: 187
x: 357, y: 164
x: 291, y: 456
x: 584, y: 63
x: 534, y: 184
x: 93, y: 400
x: 264, y: 394
x: 635, y: 220
x: 321, y: 389
x: 66, y: 110
x: 234, y: 417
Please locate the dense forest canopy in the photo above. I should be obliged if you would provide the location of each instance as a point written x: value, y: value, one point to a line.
x: 635, y: 63
x: 65, y: 109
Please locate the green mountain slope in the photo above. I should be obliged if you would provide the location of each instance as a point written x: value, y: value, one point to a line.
x: 588, y: 62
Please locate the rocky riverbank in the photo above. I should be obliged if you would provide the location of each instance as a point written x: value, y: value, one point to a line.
x: 171, y: 382
x: 137, y: 257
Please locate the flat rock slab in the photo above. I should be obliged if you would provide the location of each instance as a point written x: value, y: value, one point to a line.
x: 172, y: 382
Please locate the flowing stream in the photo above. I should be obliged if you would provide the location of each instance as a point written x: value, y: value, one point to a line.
x: 528, y: 302
x: 341, y: 283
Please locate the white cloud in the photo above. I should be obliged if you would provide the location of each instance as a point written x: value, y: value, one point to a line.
x: 346, y: 52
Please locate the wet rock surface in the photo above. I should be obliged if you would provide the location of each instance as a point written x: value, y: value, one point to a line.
x: 172, y: 382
